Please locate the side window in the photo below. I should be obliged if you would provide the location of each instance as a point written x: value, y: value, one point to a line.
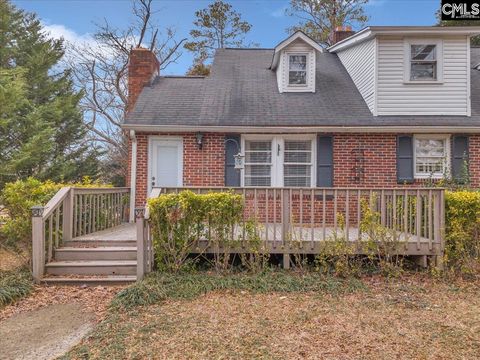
x: 423, y: 62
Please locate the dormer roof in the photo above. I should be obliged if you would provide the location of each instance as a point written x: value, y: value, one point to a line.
x: 297, y: 35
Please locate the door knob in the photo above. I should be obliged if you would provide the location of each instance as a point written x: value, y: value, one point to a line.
x: 153, y: 181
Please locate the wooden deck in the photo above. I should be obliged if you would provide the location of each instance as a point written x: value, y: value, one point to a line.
x: 123, y: 232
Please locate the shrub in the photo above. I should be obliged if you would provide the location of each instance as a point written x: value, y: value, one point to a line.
x: 180, y: 220
x: 462, y: 231
x: 18, y: 198
x: 14, y: 285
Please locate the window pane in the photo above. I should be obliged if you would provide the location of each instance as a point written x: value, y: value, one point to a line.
x: 258, y: 158
x: 423, y: 52
x: 298, y: 153
x: 297, y: 77
x: 430, y: 147
x: 258, y: 145
x: 423, y: 71
x: 257, y: 170
x: 298, y: 63
x: 430, y: 156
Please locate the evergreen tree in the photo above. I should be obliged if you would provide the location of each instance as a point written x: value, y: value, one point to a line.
x: 217, y: 26
x: 41, y: 128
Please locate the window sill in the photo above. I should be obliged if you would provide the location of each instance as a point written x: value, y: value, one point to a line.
x: 423, y: 82
x: 428, y: 177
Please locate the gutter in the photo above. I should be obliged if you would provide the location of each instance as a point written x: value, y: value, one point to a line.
x: 133, y: 175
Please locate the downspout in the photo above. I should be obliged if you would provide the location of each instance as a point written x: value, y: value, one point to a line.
x: 133, y: 175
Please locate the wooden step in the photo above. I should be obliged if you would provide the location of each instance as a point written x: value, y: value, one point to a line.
x: 97, y: 267
x: 99, y: 243
x: 89, y: 280
x: 96, y: 253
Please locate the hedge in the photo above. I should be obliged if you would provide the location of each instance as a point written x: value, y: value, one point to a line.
x: 462, y: 231
x: 18, y: 198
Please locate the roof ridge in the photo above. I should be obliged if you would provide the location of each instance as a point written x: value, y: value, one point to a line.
x: 245, y: 48
x: 182, y: 76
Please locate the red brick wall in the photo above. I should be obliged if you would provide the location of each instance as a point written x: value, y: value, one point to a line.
x: 201, y: 167
x: 474, y: 166
x: 374, y: 153
x: 378, y: 160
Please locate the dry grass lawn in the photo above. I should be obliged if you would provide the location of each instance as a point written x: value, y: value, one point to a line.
x: 405, y: 319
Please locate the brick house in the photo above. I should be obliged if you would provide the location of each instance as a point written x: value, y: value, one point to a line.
x: 312, y: 138
x: 383, y: 107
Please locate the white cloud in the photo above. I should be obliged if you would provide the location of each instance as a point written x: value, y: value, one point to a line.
x: 58, y: 31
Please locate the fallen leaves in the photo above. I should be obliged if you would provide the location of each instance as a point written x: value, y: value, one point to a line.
x: 92, y: 299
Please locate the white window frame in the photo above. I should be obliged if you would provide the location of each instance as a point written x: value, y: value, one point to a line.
x: 407, y: 60
x: 306, y: 54
x: 445, y: 137
x: 277, y: 179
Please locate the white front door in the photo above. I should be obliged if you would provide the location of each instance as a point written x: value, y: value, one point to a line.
x: 166, y: 162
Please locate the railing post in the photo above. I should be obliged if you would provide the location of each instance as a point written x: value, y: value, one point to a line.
x: 140, y: 220
x: 38, y: 243
x: 285, y: 214
x: 68, y: 216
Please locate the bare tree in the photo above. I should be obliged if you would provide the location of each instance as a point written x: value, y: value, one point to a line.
x: 100, y: 69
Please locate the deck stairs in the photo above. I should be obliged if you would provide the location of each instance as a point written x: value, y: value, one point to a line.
x: 99, y: 258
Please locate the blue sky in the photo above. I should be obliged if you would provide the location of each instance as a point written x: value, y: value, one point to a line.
x: 74, y: 19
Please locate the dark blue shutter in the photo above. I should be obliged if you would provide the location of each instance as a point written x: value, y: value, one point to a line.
x: 460, y: 157
x: 324, y: 161
x: 404, y: 159
x: 232, y: 175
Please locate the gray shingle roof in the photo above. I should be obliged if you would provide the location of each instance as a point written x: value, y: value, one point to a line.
x: 242, y: 91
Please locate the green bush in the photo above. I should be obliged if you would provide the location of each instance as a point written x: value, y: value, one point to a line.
x: 14, y: 285
x: 178, y: 221
x: 18, y: 198
x: 462, y: 231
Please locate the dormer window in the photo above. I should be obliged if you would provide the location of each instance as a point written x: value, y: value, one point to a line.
x: 297, y: 70
x: 294, y: 62
x: 423, y: 61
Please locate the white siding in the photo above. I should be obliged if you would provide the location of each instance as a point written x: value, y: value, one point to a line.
x: 298, y: 46
x: 360, y: 64
x: 396, y: 97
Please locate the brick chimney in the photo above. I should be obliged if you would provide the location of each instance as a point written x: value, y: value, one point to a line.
x: 340, y: 33
x: 143, y: 66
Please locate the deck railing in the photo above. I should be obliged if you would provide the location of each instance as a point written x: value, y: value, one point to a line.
x: 312, y: 216
x: 74, y: 212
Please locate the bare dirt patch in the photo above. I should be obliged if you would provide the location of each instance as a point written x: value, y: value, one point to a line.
x: 51, y: 320
x: 92, y: 299
x: 405, y: 319
x: 45, y: 333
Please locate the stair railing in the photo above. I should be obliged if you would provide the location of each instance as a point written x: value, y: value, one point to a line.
x: 51, y: 225
x: 74, y: 212
x: 145, y: 251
